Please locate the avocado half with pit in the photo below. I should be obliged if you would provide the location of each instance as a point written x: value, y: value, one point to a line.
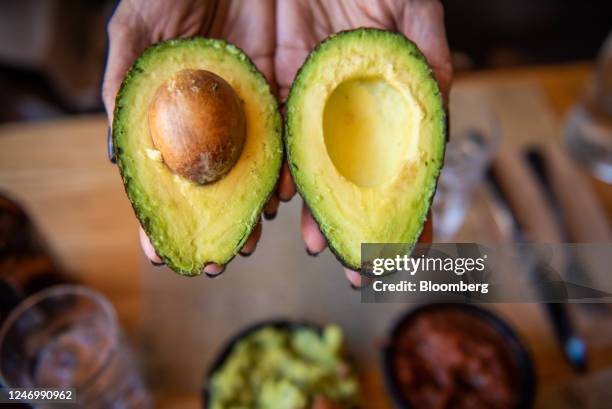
x: 197, y: 138
x: 365, y: 136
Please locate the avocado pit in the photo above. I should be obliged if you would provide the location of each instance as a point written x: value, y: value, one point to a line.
x: 197, y: 122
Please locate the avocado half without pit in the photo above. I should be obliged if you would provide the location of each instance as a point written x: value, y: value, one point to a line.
x: 365, y: 136
x: 197, y: 138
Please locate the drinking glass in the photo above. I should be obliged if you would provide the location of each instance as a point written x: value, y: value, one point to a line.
x: 67, y: 336
x: 474, y: 138
x: 588, y: 132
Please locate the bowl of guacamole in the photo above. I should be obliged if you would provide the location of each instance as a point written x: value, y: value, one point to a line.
x: 282, y: 364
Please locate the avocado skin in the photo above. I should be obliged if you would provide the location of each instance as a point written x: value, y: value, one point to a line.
x: 118, y: 131
x: 297, y: 84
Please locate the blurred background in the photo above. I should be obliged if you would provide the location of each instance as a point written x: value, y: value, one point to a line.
x: 530, y: 159
x: 52, y: 52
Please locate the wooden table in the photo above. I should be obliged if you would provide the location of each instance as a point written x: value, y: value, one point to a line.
x: 59, y: 170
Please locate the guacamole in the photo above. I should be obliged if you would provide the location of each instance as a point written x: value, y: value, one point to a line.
x: 278, y: 368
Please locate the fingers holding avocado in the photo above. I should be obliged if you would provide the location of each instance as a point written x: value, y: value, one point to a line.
x: 197, y: 139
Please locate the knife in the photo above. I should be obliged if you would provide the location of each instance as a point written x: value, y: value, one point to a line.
x: 518, y: 196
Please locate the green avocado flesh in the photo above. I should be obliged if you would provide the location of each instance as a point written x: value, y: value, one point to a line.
x: 274, y: 368
x: 365, y: 137
x: 191, y: 225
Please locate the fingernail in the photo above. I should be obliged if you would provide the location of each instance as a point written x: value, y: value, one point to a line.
x: 246, y: 254
x: 284, y: 199
x: 312, y: 253
x: 109, y: 146
x: 270, y: 216
x: 213, y: 275
x: 355, y: 287
x: 157, y: 264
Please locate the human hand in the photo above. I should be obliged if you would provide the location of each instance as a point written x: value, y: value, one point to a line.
x: 137, y: 24
x: 302, y: 24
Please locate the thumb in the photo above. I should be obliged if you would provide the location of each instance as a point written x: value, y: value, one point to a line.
x: 124, y: 47
x: 423, y: 23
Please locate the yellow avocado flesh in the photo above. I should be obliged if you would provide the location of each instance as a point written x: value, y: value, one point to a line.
x: 370, y: 130
x: 365, y: 139
x: 191, y: 224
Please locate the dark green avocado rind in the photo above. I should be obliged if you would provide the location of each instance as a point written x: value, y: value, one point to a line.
x: 294, y: 95
x: 118, y: 132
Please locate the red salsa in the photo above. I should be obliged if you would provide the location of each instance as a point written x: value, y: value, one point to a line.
x: 453, y: 359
